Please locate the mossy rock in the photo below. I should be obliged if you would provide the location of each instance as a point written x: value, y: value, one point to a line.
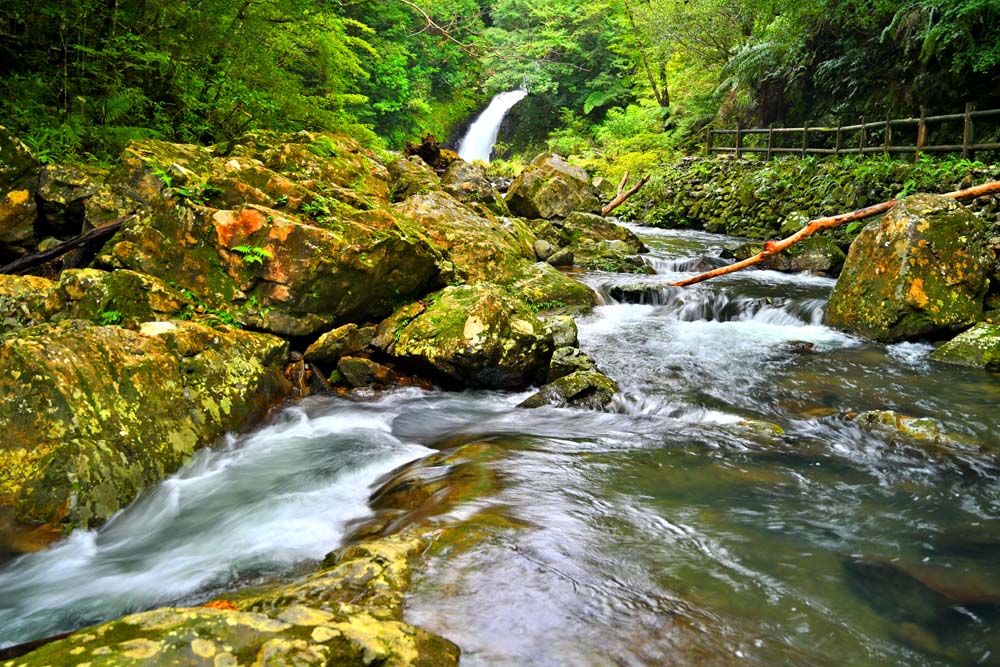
x: 978, y: 347
x: 412, y: 176
x: 468, y: 182
x: 121, y: 297
x: 26, y: 301
x: 815, y: 254
x: 340, y: 342
x: 545, y: 288
x: 589, y: 389
x: 473, y: 335
x: 122, y: 409
x: 921, y: 270
x: 480, y: 248
x: 18, y: 187
x: 579, y: 228
x: 550, y: 187
x: 62, y: 193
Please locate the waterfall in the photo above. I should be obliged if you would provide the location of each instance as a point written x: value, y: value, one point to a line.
x: 478, y: 141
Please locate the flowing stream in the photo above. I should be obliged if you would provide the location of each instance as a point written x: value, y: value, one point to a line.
x: 727, y: 511
x: 482, y: 134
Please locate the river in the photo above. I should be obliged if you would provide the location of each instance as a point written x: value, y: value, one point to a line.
x: 726, y: 510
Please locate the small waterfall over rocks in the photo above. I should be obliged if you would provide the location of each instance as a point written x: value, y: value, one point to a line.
x: 482, y: 134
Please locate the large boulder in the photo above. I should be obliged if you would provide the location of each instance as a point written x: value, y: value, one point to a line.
x: 480, y: 248
x: 63, y: 191
x: 467, y: 181
x: 471, y: 335
x: 348, y: 614
x: 550, y: 187
x: 921, y: 270
x: 412, y: 176
x: 274, y: 271
x: 92, y: 414
x: 978, y: 347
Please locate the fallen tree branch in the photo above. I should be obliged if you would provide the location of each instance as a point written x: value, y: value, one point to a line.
x: 622, y: 196
x: 22, y: 264
x: 819, y: 224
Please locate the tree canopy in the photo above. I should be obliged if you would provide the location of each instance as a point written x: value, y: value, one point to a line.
x: 84, y: 77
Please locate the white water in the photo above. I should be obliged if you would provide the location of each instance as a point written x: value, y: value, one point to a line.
x: 272, y: 500
x: 482, y: 134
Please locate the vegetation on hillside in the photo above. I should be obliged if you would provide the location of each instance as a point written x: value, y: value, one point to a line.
x: 631, y: 80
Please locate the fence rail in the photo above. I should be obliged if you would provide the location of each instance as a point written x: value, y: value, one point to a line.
x: 860, y: 144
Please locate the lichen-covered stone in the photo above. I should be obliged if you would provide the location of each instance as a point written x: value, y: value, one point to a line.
x: 25, y: 301
x: 62, y: 191
x: 579, y: 228
x: 92, y: 414
x: 545, y: 288
x: 615, y: 256
x: 585, y: 389
x: 18, y: 186
x: 412, y: 176
x: 468, y: 182
x: 342, y: 341
x: 921, y: 270
x: 474, y: 335
x: 567, y: 360
x: 117, y: 297
x: 550, y: 187
x: 480, y: 248
x: 978, y: 347
x: 362, y: 372
x: 305, y: 279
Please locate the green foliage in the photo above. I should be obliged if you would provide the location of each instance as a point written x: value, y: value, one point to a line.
x: 111, y: 317
x: 252, y: 254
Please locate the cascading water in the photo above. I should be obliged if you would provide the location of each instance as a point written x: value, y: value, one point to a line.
x: 482, y: 134
x: 729, y: 510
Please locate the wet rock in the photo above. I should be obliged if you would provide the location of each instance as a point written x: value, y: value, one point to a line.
x: 564, y: 331
x: 978, y: 347
x: 468, y: 182
x: 123, y: 409
x: 562, y: 257
x: 342, y: 341
x: 473, y: 335
x: 921, y: 270
x: 567, y: 360
x: 921, y: 431
x: 550, y: 187
x: 585, y: 389
x: 362, y: 372
x: 798, y: 347
x: 816, y: 254
x: 412, y: 176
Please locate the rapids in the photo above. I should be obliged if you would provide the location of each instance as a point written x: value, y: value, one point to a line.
x: 726, y: 510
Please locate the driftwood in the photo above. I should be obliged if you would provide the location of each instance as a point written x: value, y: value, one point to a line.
x: 819, y: 224
x: 23, y: 264
x: 623, y: 194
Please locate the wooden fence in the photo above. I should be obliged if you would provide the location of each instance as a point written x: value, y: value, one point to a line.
x: 862, y: 138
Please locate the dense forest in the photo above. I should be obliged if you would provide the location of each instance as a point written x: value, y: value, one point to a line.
x: 631, y: 76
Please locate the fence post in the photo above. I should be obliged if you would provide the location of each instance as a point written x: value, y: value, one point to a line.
x: 770, y: 140
x: 968, y: 136
x: 836, y: 146
x: 921, y: 133
x: 805, y: 138
x: 708, y: 142
x: 739, y: 142
x: 863, y: 138
x: 888, y: 137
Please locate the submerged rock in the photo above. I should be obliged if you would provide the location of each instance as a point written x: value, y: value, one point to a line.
x: 473, y: 335
x: 550, y: 187
x: 121, y: 409
x: 921, y: 270
x: 585, y: 389
x: 978, y: 347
